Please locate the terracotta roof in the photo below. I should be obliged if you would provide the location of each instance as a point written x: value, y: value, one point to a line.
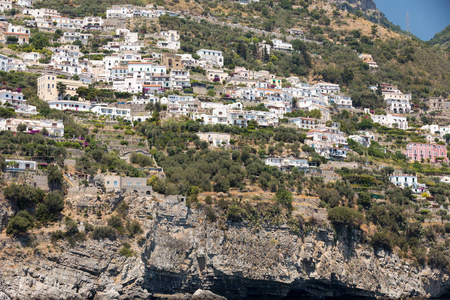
x: 16, y: 33
x: 397, y: 115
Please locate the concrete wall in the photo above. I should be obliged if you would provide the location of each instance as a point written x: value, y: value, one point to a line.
x: 133, y: 182
x: 41, y: 181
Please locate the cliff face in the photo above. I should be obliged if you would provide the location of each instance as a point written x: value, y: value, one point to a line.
x: 182, y: 252
x: 362, y: 4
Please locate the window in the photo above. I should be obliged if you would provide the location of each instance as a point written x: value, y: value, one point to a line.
x: 115, y: 183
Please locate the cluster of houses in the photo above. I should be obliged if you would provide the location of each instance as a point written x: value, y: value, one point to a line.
x: 162, y: 75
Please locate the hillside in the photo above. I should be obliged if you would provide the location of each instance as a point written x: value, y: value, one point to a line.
x: 441, y: 39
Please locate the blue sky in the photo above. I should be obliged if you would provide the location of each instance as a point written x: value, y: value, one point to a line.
x: 426, y: 17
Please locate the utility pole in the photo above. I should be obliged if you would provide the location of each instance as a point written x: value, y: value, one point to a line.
x: 378, y: 13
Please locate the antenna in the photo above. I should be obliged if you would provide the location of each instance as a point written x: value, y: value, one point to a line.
x: 378, y: 11
x: 408, y: 28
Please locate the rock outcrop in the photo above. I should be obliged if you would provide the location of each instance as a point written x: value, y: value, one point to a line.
x: 184, y: 256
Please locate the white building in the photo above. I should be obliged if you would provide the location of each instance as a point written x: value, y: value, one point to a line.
x: 70, y: 37
x: 180, y: 79
x: 327, y: 88
x: 112, y: 112
x: 281, y: 46
x: 340, y: 101
x: 305, y: 123
x: 212, y: 57
x: 410, y: 181
x: 398, y: 105
x: 53, y: 127
x: 328, y: 136
x: 70, y: 105
x: 169, y: 45
x: 287, y: 164
x: 5, y: 5
x: 19, y: 165
x: 391, y: 121
x: 215, y: 139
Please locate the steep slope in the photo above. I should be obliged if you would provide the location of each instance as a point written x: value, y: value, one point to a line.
x: 441, y: 39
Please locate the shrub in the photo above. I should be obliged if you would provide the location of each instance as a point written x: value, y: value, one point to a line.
x: 56, y: 236
x: 284, y: 197
x: 382, y: 240
x: 126, y: 251
x: 134, y: 228
x: 104, y: 232
x: 115, y: 222
x: 447, y: 227
x: 208, y: 200
x: 437, y: 259
x: 53, y: 204
x: 24, y: 196
x: 88, y: 227
x: 210, y: 214
x: 235, y: 213
x: 345, y: 216
x: 20, y: 223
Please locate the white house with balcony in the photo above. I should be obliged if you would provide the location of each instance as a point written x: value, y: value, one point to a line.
x: 305, y: 123
x: 111, y: 112
x: 212, y: 57
x: 70, y: 37
x: 398, y: 105
x: 327, y: 88
x: 281, y: 46
x: 391, y: 121
x: 54, y: 127
x: 70, y: 105
x: 287, y: 163
x: 215, y: 139
x: 403, y: 181
x: 20, y: 165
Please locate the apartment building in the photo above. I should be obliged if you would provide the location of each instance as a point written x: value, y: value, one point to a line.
x: 212, y: 57
x: 426, y: 152
x: 47, y: 87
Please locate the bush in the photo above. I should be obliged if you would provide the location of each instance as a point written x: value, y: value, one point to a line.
x: 20, y: 223
x: 208, y: 200
x: 235, y: 213
x: 447, y: 227
x: 437, y: 259
x: 134, y: 228
x: 115, y: 222
x: 345, y: 216
x: 53, y: 204
x: 210, y: 214
x: 284, y: 197
x: 56, y: 236
x: 382, y: 240
x: 104, y: 232
x: 126, y: 251
x: 23, y: 196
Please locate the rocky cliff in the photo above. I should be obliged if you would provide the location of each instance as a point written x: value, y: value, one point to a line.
x: 181, y: 252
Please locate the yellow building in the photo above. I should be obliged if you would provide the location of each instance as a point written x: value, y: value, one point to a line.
x: 47, y: 87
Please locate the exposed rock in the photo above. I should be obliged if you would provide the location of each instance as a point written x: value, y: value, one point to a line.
x: 206, y: 295
x: 183, y: 256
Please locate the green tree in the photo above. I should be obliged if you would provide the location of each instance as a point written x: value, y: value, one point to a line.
x: 345, y: 216
x: 21, y: 127
x: 23, y: 196
x: 284, y: 197
x: 20, y: 223
x: 61, y: 87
